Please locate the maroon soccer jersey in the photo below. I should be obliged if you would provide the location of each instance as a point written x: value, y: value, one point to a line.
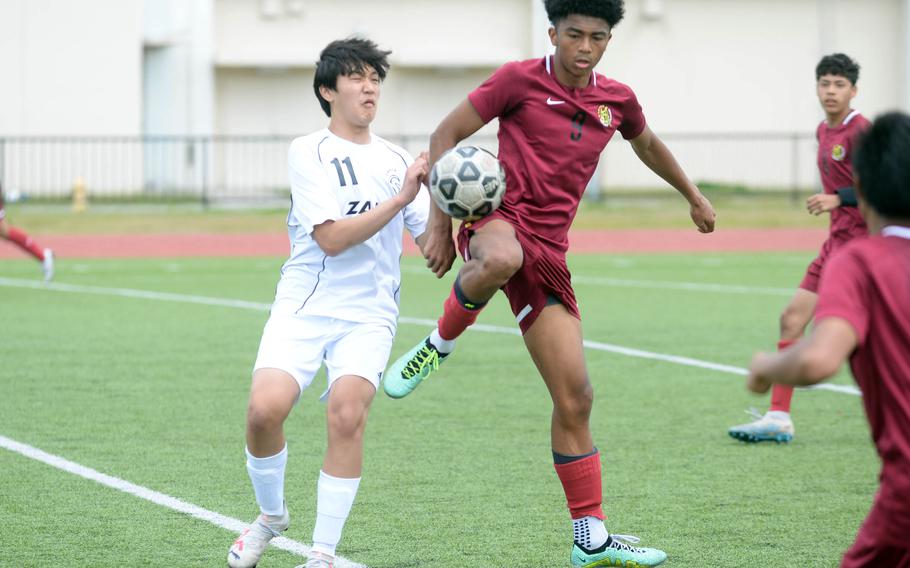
x: 835, y: 163
x: 550, y: 140
x: 867, y: 283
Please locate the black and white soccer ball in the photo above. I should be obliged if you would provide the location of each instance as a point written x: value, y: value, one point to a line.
x: 467, y: 183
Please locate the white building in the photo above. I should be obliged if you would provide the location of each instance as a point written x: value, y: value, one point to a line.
x: 743, y: 69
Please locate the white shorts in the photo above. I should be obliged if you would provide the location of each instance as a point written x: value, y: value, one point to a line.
x: 298, y: 344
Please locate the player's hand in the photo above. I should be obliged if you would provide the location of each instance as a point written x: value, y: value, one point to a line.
x: 822, y: 203
x: 414, y: 177
x: 703, y: 215
x: 439, y: 249
x: 756, y: 383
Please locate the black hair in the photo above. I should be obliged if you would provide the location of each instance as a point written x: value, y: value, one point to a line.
x: 838, y: 64
x: 882, y: 164
x: 610, y: 10
x: 346, y: 57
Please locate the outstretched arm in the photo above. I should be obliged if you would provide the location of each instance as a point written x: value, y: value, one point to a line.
x: 335, y: 237
x: 655, y: 154
x: 439, y: 248
x: 811, y: 361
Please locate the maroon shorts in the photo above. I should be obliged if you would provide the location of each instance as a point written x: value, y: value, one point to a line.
x: 833, y: 243
x: 542, y: 277
x: 872, y: 550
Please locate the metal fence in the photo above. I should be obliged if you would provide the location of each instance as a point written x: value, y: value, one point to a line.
x: 253, y: 169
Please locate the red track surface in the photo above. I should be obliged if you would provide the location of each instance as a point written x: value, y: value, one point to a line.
x: 632, y: 241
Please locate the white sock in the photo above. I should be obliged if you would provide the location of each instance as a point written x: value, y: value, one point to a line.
x: 267, y: 475
x: 335, y: 496
x: 779, y: 415
x: 589, y: 532
x: 444, y: 346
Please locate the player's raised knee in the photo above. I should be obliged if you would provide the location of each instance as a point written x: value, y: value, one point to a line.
x: 500, y: 265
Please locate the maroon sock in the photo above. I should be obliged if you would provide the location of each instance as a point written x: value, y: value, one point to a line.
x: 26, y: 243
x: 782, y: 395
x: 455, y: 317
x: 582, y: 485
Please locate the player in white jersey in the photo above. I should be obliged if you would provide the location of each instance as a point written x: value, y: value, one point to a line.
x: 353, y: 194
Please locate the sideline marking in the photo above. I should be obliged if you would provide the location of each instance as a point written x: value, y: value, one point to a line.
x: 205, y: 300
x: 233, y: 525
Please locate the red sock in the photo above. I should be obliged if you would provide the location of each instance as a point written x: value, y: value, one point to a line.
x: 782, y: 395
x: 455, y: 318
x: 26, y: 243
x: 582, y: 484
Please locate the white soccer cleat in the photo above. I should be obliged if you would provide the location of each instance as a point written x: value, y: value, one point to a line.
x: 774, y: 426
x: 252, y: 542
x: 48, y: 265
x: 319, y: 560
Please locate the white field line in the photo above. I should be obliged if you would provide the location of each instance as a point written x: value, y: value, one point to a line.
x: 233, y: 525
x: 593, y: 345
x: 657, y: 284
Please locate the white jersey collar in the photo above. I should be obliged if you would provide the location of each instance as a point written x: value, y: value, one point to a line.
x: 896, y: 231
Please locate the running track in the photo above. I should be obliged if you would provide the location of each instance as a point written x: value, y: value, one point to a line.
x: 272, y: 244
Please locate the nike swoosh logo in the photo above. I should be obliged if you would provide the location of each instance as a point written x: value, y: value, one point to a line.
x: 552, y: 102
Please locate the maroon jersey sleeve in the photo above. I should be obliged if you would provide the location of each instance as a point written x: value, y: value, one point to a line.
x: 633, y: 119
x: 499, y: 94
x: 844, y: 292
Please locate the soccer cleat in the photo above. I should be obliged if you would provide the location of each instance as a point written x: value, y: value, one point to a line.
x: 252, y: 542
x: 48, y: 265
x: 774, y: 426
x: 617, y: 551
x: 318, y: 560
x: 412, y: 368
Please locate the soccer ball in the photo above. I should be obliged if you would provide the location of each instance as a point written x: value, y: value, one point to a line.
x: 467, y: 183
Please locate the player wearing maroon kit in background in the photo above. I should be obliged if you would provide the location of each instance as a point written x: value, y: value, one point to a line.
x: 863, y: 315
x: 836, y: 77
x: 19, y: 238
x: 555, y: 117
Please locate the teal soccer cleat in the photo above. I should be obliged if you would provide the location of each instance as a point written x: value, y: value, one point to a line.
x: 616, y: 552
x: 412, y: 368
x: 774, y: 426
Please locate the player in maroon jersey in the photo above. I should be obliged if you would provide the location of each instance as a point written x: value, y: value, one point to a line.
x: 863, y: 315
x: 836, y: 77
x: 19, y: 238
x: 556, y: 114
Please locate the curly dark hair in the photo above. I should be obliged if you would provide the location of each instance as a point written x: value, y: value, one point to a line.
x: 610, y: 10
x: 882, y: 164
x: 838, y: 64
x: 345, y: 57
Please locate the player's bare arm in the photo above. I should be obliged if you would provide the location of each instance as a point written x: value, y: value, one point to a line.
x: 822, y: 203
x: 335, y: 237
x: 811, y: 361
x: 458, y: 125
x: 654, y: 153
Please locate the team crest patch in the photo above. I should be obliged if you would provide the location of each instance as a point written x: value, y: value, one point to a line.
x: 393, y: 179
x: 605, y: 115
x: 838, y: 152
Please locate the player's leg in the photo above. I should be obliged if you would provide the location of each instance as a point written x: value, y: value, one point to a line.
x: 22, y: 240
x: 355, y: 362
x: 272, y: 396
x: 290, y: 354
x: 776, y: 425
x: 495, y: 255
x: 346, y: 418
x: 554, y: 341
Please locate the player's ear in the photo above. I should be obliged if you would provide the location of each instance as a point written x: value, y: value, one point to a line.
x: 327, y: 93
x: 552, y: 32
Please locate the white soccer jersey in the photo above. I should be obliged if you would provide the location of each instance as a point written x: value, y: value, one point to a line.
x: 332, y: 178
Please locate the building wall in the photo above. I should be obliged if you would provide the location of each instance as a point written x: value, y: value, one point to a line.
x: 72, y: 68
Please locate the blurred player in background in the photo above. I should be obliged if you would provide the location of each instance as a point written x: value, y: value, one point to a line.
x: 19, y: 238
x: 863, y: 315
x: 836, y: 76
x: 556, y: 115
x: 353, y: 194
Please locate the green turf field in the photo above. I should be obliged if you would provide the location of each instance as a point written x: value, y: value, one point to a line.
x: 153, y: 391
